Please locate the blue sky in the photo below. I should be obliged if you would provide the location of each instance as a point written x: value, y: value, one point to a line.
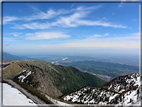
x: 71, y: 28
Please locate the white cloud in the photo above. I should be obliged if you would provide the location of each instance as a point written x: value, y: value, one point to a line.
x: 52, y: 13
x: 49, y: 14
x: 104, y: 18
x: 96, y: 35
x: 73, y: 5
x: 134, y: 19
x: 70, y: 21
x: 136, y: 34
x: 16, y: 34
x: 7, y: 19
x: 120, y: 5
x: 38, y: 15
x: 84, y: 8
x: 106, y: 34
x: 73, y: 20
x: 46, y: 35
x: 99, y: 23
x: 77, y: 13
x: 34, y: 25
x: 129, y: 42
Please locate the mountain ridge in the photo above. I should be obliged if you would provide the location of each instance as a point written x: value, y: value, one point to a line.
x: 9, y: 56
x: 54, y: 80
x: 123, y: 90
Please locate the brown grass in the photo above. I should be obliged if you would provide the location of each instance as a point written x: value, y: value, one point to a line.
x: 11, y: 71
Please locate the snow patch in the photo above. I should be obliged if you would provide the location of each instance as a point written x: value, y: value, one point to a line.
x: 13, y: 97
x: 22, y: 77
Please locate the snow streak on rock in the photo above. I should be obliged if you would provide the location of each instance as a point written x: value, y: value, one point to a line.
x: 24, y: 74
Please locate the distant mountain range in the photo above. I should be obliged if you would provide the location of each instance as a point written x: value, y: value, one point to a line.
x: 7, y: 56
x: 54, y: 80
x: 123, y: 90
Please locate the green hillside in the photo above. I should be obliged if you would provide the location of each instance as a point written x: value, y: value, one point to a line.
x: 54, y: 80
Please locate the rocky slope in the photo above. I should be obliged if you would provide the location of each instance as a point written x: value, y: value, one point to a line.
x: 54, y: 80
x: 124, y: 90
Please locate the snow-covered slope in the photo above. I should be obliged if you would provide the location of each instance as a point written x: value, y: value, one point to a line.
x: 128, y: 98
x: 91, y: 95
x: 124, y: 90
x: 13, y: 97
x: 124, y: 83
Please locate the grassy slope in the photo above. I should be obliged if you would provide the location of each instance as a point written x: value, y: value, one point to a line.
x: 11, y: 71
x: 73, y: 79
x: 66, y: 79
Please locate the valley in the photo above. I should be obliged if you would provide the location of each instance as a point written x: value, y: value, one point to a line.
x: 63, y: 80
x: 104, y: 70
x: 105, y: 67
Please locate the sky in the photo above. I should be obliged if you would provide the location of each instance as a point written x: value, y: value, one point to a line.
x: 71, y: 28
